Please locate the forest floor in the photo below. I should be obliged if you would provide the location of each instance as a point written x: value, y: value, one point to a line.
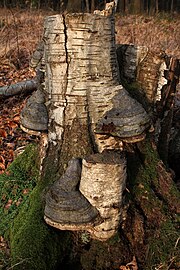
x: 20, y: 32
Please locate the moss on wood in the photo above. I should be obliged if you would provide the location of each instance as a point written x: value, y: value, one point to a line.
x: 34, y: 245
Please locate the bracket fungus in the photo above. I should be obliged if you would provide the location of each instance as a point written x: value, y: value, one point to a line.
x: 96, y: 206
x: 127, y: 119
x: 34, y: 116
x: 66, y: 208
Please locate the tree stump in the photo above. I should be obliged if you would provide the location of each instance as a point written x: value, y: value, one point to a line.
x: 87, y: 103
x: 95, y: 128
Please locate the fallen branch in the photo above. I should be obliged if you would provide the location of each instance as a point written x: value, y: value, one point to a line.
x: 19, y: 88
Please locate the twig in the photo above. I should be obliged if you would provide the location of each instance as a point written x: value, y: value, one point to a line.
x: 17, y: 263
x: 17, y: 36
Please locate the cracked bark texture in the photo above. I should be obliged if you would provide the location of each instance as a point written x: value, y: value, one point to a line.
x: 81, y: 75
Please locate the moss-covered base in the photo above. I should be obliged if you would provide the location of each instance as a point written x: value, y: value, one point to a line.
x: 33, y: 244
x: 149, y: 232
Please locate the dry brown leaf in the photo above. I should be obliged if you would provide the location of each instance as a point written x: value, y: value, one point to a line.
x: 25, y: 191
x: 130, y: 266
x: 3, y: 133
x: 2, y: 166
x: 13, y: 124
x: 133, y: 264
x: 16, y: 118
x: 2, y: 160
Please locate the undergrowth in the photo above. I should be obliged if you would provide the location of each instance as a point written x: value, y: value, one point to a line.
x: 16, y: 185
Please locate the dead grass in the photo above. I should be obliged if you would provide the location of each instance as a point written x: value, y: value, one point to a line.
x: 161, y: 32
x: 21, y: 30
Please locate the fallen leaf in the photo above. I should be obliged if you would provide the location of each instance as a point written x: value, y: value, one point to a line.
x: 2, y: 160
x: 13, y: 124
x: 11, y: 153
x: 8, y: 204
x: 16, y: 118
x: 10, y: 145
x: 25, y: 191
x: 18, y: 202
x: 3, y: 197
x: 130, y: 266
x: 3, y: 133
x: 2, y: 166
x: 133, y: 264
x: 8, y: 173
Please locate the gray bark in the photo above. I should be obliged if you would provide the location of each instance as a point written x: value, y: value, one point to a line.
x: 25, y: 87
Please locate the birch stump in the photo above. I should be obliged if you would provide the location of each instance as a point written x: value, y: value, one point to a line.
x: 87, y: 107
x: 97, y: 150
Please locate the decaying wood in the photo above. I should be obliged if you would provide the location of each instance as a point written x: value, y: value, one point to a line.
x: 24, y: 87
x: 157, y: 76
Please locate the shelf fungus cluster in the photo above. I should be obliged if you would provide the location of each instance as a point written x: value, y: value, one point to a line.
x: 96, y: 205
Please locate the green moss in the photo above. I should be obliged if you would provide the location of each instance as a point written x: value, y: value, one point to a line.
x: 26, y: 165
x: 163, y: 247
x: 34, y: 245
x: 16, y: 184
x: 161, y: 231
x: 142, y: 167
x: 136, y: 91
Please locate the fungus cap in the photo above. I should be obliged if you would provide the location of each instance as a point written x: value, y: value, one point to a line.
x: 127, y: 119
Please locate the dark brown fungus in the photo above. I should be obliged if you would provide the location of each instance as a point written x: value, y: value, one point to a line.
x: 66, y: 208
x: 34, y: 115
x: 127, y: 119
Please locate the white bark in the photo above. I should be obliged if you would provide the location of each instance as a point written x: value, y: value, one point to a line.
x: 81, y: 71
x: 103, y: 181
